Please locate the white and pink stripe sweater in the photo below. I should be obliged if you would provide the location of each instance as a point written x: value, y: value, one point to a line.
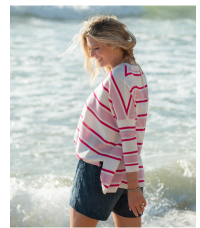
x: 112, y: 125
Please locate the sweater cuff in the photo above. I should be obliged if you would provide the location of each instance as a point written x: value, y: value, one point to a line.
x: 132, y: 168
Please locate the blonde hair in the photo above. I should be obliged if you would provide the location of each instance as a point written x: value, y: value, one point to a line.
x: 109, y: 31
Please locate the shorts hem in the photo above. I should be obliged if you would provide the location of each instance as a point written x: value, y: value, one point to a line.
x: 127, y: 216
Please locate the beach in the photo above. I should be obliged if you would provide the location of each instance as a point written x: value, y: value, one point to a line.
x: 48, y: 92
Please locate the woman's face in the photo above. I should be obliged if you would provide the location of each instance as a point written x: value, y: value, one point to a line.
x: 105, y: 55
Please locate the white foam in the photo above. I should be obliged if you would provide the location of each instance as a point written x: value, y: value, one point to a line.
x: 46, y: 206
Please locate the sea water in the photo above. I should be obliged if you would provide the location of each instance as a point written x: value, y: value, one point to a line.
x: 48, y: 93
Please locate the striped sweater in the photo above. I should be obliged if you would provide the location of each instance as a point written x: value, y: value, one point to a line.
x: 112, y: 125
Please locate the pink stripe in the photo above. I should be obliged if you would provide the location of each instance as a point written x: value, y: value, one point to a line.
x: 136, y: 87
x: 102, y: 113
x: 120, y: 170
x: 123, y: 140
x: 100, y: 135
x: 100, y: 120
x: 75, y: 142
x: 132, y: 152
x: 115, y: 113
x: 140, y: 129
x: 79, y: 156
x: 101, y: 103
x: 142, y: 115
x: 108, y: 171
x: 114, y: 185
x: 141, y: 101
x: 127, y: 182
x: 110, y: 101
x: 122, y: 128
x: 78, y: 129
x: 97, y: 151
x: 141, y: 166
x: 81, y: 116
x: 139, y: 143
x: 126, y: 109
x: 105, y: 186
x: 126, y: 74
x: 129, y: 103
x: 131, y: 164
x: 118, y: 90
x: 102, y: 147
x: 105, y: 88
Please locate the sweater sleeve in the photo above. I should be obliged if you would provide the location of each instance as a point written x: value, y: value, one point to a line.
x: 125, y: 113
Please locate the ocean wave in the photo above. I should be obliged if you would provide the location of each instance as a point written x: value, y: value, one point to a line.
x: 74, y: 12
x: 170, y: 192
x: 173, y: 186
x: 82, y: 12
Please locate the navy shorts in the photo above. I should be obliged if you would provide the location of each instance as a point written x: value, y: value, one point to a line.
x: 88, y: 199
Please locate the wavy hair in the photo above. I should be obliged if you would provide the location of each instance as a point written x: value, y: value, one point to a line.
x: 109, y: 31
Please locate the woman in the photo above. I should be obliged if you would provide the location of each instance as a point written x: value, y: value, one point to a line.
x: 109, y: 176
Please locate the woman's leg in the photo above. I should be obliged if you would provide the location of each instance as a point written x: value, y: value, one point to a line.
x: 126, y: 222
x: 79, y: 220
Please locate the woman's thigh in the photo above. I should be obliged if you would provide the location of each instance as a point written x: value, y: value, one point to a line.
x: 126, y: 222
x: 79, y: 220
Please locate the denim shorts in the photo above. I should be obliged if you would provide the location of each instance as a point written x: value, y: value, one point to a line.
x: 88, y: 199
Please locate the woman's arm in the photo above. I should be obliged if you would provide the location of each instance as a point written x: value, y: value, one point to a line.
x: 135, y: 199
x: 132, y: 179
x: 125, y: 113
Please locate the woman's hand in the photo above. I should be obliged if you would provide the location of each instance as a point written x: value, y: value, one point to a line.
x: 136, y: 202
